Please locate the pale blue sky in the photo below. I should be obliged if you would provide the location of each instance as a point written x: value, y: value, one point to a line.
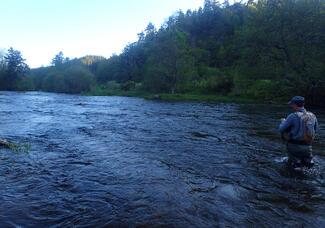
x: 42, y: 28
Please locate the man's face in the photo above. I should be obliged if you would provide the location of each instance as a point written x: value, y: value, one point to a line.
x: 294, y: 107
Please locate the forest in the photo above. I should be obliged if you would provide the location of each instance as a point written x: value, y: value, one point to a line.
x: 267, y: 50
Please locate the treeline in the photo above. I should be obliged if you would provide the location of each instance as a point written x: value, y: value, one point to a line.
x: 265, y: 49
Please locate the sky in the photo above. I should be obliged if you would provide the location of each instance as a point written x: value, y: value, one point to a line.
x: 42, y: 28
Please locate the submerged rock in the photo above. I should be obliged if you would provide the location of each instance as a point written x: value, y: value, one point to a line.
x: 4, y: 143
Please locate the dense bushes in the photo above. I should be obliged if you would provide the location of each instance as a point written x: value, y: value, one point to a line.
x: 78, y: 79
x: 74, y: 79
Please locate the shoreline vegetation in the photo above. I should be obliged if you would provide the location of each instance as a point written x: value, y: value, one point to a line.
x: 179, y: 97
x: 246, y: 52
x: 15, y: 147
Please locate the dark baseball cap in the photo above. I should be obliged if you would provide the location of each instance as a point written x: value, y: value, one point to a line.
x: 298, y: 100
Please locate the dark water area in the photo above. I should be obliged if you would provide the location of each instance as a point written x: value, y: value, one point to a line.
x: 117, y: 161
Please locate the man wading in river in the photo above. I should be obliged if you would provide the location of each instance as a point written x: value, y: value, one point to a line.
x: 299, y: 132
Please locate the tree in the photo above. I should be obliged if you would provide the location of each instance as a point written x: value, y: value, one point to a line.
x: 78, y: 79
x: 59, y: 59
x: 16, y: 68
x: 2, y: 69
x: 2, y: 59
x: 284, y: 41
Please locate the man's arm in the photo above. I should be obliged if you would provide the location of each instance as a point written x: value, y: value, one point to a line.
x: 285, y: 124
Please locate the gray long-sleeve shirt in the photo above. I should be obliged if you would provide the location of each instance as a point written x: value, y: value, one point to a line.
x: 295, y: 126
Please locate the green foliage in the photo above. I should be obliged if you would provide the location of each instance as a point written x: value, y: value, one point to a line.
x: 203, y: 97
x: 19, y: 148
x: 73, y: 79
x: 99, y: 90
x: 12, y: 69
x: 78, y: 79
x: 111, y: 70
x: 3, y: 75
x: 54, y: 82
x: 59, y: 59
x: 264, y: 49
x: 112, y: 85
x: 16, y: 147
x: 25, y: 84
x: 157, y: 77
x: 127, y: 86
x: 110, y: 88
x: 263, y: 89
x: 217, y: 85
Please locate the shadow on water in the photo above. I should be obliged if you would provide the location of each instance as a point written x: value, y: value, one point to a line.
x: 108, y: 161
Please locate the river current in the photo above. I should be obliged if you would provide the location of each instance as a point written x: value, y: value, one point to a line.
x: 118, y: 161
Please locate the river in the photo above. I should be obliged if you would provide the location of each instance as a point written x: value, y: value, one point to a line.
x: 118, y: 161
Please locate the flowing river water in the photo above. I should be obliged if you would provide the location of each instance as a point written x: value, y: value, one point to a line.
x: 117, y: 161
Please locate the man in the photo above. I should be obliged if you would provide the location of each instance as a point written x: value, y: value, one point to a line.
x: 299, y: 131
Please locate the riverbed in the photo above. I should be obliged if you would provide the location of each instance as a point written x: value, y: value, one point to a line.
x: 118, y: 161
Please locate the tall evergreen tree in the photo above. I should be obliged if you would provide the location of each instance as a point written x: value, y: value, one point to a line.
x: 16, y: 67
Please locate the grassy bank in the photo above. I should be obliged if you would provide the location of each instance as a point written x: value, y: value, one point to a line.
x: 204, y: 98
x: 122, y: 93
x: 173, y: 97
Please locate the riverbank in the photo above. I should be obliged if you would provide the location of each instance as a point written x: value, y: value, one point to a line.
x: 203, y: 98
x: 181, y: 97
x: 174, y: 97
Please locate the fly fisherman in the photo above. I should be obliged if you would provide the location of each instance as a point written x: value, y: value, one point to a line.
x: 299, y: 129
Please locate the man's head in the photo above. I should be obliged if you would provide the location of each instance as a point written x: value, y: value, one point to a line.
x: 297, y: 102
